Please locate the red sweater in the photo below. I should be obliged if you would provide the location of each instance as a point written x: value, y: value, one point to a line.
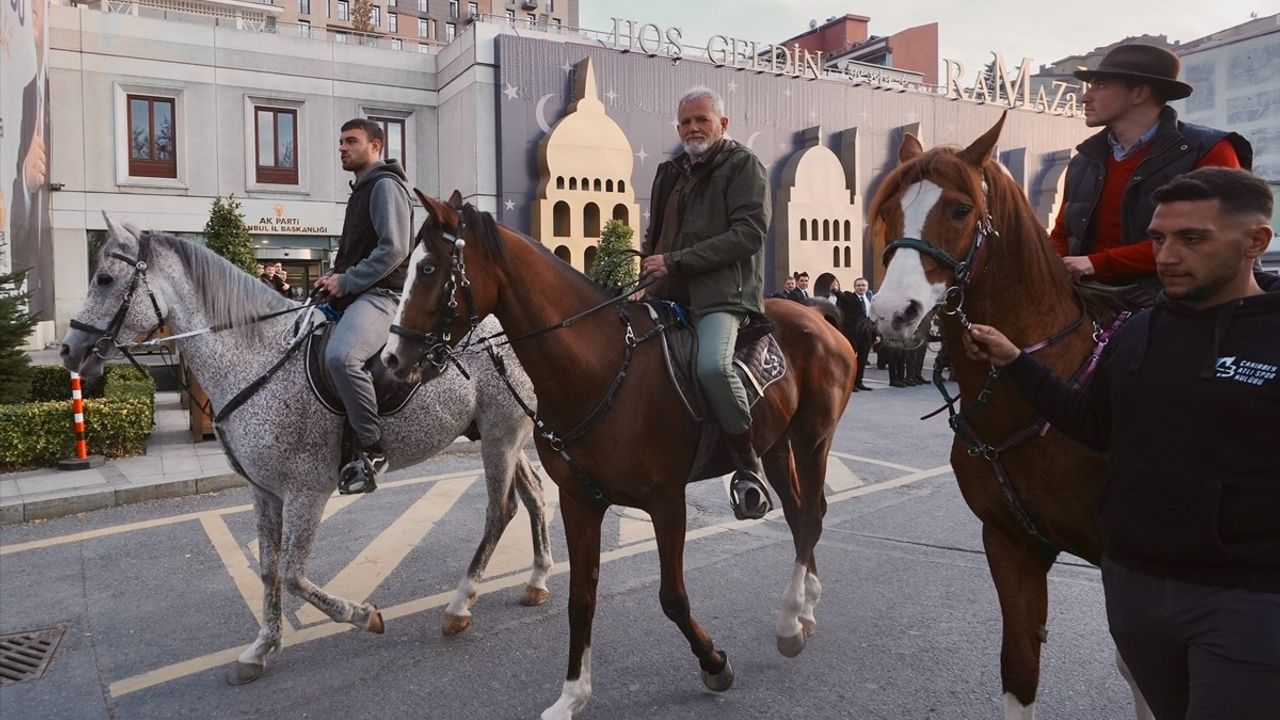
x: 1113, y: 261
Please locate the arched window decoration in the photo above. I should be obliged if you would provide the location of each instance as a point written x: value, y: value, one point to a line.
x: 586, y: 184
x: 621, y: 214
x: 573, y: 183
x: 591, y: 220
x: 560, y: 182
x: 622, y: 186
x: 826, y: 229
x: 848, y: 256
x: 608, y: 185
x: 560, y: 219
x: 588, y: 257
x: 595, y: 185
x: 835, y: 256
x: 848, y: 231
x: 563, y: 253
x: 813, y: 229
x: 804, y: 229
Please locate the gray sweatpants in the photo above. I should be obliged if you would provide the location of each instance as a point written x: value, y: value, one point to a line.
x: 359, y: 334
x: 717, y: 333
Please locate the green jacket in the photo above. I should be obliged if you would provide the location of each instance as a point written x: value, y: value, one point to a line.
x: 723, y: 224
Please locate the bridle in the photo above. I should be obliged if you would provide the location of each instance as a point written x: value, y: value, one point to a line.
x: 108, y: 336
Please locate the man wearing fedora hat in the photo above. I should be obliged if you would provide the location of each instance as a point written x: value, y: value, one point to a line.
x: 1101, y: 230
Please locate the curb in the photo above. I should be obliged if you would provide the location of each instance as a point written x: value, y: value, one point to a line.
x: 58, y: 503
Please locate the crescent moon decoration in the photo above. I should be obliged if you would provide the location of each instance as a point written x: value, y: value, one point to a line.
x: 539, y: 113
x: 750, y: 140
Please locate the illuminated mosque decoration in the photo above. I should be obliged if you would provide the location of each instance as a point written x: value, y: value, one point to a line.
x: 818, y: 219
x: 584, y: 166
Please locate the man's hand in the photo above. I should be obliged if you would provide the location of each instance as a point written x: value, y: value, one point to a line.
x: 985, y: 343
x: 636, y: 296
x: 653, y: 266
x: 1078, y: 265
x: 331, y: 284
x: 35, y: 166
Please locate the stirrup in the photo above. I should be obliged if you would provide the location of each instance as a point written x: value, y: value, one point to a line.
x: 748, y: 497
x: 360, y: 475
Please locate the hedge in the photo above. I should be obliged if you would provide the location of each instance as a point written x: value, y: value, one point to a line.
x: 51, y: 383
x: 116, y: 424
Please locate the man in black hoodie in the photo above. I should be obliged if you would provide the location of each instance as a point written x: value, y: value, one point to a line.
x: 1186, y: 404
x: 370, y: 268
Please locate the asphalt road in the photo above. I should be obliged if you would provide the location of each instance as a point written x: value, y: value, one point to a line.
x: 907, y: 628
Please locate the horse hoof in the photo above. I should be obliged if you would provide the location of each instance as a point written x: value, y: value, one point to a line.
x: 791, y: 646
x: 720, y: 681
x: 454, y: 624
x: 245, y: 673
x: 809, y: 627
x: 533, y: 596
x: 375, y: 622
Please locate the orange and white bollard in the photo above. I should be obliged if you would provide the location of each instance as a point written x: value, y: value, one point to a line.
x: 82, y: 459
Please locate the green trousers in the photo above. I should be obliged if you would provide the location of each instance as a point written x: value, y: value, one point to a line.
x: 717, y: 333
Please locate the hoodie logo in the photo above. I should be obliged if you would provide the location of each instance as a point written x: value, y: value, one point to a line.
x: 1249, y: 372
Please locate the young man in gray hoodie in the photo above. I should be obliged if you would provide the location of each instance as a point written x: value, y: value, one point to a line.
x: 370, y: 268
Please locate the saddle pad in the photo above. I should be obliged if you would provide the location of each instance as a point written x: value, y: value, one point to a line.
x: 392, y: 393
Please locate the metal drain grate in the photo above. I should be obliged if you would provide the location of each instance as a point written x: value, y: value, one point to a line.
x: 24, y: 656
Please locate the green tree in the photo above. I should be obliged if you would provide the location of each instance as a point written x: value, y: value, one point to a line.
x: 227, y: 235
x: 16, y: 323
x: 615, y: 266
x: 362, y: 16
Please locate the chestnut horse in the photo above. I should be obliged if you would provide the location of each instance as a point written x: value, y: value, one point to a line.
x: 969, y: 245
x: 637, y: 446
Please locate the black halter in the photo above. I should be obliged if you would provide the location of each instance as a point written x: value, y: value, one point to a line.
x: 108, y: 336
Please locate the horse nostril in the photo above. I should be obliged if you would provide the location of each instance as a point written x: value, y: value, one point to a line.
x: 912, y: 312
x: 390, y: 360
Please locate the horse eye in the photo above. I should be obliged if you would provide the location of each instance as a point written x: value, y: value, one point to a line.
x: 961, y: 212
x: 105, y: 279
x: 425, y: 269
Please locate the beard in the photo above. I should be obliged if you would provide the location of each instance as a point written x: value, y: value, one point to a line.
x: 698, y: 149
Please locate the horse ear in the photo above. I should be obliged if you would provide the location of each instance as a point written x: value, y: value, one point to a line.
x: 982, y: 148
x: 121, y: 233
x: 455, y: 200
x: 910, y: 149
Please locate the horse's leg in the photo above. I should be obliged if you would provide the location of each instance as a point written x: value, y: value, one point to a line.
x: 780, y: 469
x: 582, y: 520
x: 499, y: 469
x: 669, y: 531
x: 1141, y: 710
x: 529, y: 487
x: 252, y: 662
x: 811, y: 467
x: 1019, y: 574
x: 302, y: 513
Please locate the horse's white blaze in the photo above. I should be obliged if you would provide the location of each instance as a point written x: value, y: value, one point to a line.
x: 792, y: 603
x: 1014, y: 710
x: 393, y: 341
x: 904, y: 280
x: 575, y: 693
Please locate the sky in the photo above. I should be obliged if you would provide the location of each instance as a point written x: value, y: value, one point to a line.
x: 968, y: 30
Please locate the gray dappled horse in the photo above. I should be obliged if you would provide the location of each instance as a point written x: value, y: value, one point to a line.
x: 286, y: 443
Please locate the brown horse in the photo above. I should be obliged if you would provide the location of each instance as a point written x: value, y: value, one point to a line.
x: 638, y: 445
x: 968, y: 245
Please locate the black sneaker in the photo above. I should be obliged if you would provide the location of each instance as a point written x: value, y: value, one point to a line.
x: 360, y: 475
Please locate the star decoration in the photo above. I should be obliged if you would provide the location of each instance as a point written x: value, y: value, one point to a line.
x: 787, y: 92
x: 611, y: 95
x: 646, y: 216
x: 510, y: 205
x: 642, y: 155
x: 733, y: 86
x: 511, y: 91
x: 813, y: 114
x: 567, y: 66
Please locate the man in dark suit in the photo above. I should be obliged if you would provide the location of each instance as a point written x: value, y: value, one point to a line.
x: 800, y: 293
x: 864, y: 330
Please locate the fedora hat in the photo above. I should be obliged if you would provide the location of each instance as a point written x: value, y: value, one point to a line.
x: 1147, y: 63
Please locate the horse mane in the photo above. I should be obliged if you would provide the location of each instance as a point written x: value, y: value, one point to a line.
x: 230, y: 296
x: 489, y: 232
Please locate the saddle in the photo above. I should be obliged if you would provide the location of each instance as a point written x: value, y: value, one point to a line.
x: 1105, y: 301
x: 392, y: 393
x: 757, y: 360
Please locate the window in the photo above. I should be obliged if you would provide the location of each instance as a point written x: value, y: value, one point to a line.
x: 375, y: 16
x: 453, y: 8
x: 396, y: 44
x: 533, y: 20
x: 393, y: 22
x: 392, y: 3
x: 511, y: 15
x: 152, y: 137
x: 277, y: 143
x: 393, y: 128
x: 473, y: 10
x: 551, y: 6
x: 344, y: 11
x: 304, y: 29
x: 555, y: 24
x: 422, y: 5
x: 450, y: 32
x: 340, y: 37
x: 422, y: 27
x: 304, y: 7
x: 424, y: 48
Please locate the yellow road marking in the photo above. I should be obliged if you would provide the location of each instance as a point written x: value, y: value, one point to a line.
x: 515, y: 550
x: 336, y: 504
x: 382, y: 556
x: 248, y: 582
x: 206, y: 662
